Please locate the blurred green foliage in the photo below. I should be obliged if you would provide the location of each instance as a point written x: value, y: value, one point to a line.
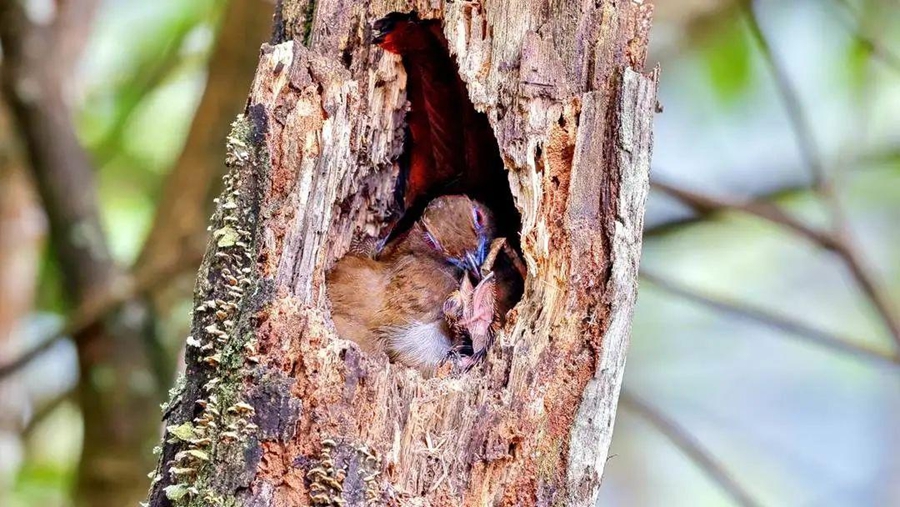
x: 134, y: 95
x: 47, y: 475
x: 143, y: 76
x: 726, y: 56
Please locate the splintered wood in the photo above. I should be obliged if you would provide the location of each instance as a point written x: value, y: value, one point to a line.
x: 572, y: 112
x: 498, y: 245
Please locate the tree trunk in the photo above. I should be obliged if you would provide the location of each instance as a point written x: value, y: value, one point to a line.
x: 276, y: 410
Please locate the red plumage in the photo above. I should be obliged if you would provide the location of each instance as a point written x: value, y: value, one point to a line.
x: 450, y: 149
x: 451, y: 146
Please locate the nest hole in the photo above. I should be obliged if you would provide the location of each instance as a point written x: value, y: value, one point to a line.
x: 449, y: 149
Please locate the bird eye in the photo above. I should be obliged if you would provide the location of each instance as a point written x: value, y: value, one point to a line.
x: 432, y: 241
x: 478, y: 218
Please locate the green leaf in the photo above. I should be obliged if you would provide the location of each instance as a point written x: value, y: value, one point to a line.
x: 726, y: 56
x: 857, y: 58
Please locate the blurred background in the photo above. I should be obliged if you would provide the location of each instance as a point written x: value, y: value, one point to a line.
x: 764, y: 361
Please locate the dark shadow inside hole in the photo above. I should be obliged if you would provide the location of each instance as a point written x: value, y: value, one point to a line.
x: 403, y: 294
x: 450, y: 146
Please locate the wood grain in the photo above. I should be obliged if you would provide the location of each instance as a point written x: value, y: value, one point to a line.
x: 562, y: 86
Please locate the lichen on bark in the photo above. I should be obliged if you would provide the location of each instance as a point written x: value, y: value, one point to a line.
x: 325, y: 127
x: 210, y: 447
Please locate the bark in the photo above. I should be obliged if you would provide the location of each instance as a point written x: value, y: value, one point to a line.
x: 276, y: 410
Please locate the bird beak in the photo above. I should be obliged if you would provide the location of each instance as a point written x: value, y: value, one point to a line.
x: 473, y: 265
x: 378, y: 35
x: 475, y: 260
x: 482, y: 250
x: 381, y: 28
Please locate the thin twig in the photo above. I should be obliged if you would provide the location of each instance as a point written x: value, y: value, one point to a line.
x: 94, y: 311
x: 790, y: 98
x: 879, y: 158
x: 874, y: 47
x: 689, y: 445
x: 705, y: 203
x: 46, y: 410
x: 792, y: 327
x: 846, y: 248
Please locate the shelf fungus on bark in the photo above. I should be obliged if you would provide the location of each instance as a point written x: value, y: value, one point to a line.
x: 345, y: 473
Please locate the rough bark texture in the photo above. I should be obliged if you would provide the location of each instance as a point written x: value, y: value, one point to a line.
x: 276, y: 410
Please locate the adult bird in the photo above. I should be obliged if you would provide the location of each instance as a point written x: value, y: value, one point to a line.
x: 393, y: 301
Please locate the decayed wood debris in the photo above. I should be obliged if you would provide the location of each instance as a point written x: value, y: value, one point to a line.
x: 276, y: 410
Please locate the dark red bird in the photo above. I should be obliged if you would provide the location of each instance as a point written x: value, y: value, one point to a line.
x: 451, y: 147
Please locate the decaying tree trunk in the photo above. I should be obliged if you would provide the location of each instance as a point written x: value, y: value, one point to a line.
x: 276, y: 410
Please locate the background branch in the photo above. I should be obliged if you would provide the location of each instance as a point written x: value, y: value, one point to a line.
x: 93, y: 312
x: 688, y: 445
x: 60, y: 166
x: 851, y: 347
x: 809, y: 151
x: 70, y: 31
x: 705, y: 204
x: 846, y: 245
x: 877, y: 158
x: 119, y: 414
x: 45, y: 410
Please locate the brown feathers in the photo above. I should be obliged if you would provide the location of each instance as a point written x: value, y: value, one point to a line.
x: 394, y: 301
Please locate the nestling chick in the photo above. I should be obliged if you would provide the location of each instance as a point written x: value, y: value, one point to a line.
x: 394, y: 301
x: 478, y: 311
x: 471, y: 311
